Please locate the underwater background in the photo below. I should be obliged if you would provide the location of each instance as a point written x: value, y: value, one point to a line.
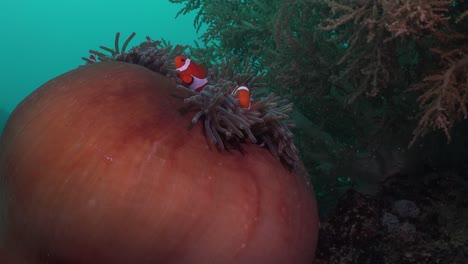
x: 380, y: 100
x: 43, y: 39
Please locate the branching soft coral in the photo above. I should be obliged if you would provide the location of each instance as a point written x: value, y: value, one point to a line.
x: 365, y: 28
x: 414, y: 18
x: 370, y: 31
x: 228, y: 23
x: 445, y: 94
x: 357, y: 26
x: 444, y: 97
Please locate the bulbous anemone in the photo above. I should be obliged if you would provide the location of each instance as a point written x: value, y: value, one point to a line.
x: 227, y: 125
x: 100, y: 167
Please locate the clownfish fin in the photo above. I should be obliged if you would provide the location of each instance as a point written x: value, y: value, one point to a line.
x: 199, y: 89
x: 187, y: 79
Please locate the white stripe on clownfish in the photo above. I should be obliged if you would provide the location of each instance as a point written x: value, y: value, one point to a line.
x: 193, y: 76
x: 197, y: 83
x: 185, y: 66
x: 242, y: 93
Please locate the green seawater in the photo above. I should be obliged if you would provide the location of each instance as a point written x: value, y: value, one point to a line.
x: 43, y: 39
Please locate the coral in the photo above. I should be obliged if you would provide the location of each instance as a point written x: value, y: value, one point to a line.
x: 406, y: 209
x: 391, y: 222
x: 360, y: 71
x: 277, y: 38
x: 444, y: 94
x: 361, y: 229
x: 380, y: 25
x: 365, y: 61
x: 226, y: 125
x: 353, y: 68
x: 353, y: 225
x: 374, y: 23
x: 407, y: 232
x: 410, y: 18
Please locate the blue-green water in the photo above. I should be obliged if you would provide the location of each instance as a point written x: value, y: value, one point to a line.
x: 43, y: 39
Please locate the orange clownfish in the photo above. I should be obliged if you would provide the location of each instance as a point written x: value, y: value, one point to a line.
x: 242, y: 93
x: 192, y: 75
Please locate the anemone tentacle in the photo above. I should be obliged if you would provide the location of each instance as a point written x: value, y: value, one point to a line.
x: 226, y: 124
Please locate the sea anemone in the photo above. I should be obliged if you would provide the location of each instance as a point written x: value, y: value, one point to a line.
x: 105, y: 146
x: 226, y: 125
x: 152, y: 54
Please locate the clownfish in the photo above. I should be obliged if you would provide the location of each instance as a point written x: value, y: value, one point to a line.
x: 192, y: 75
x: 242, y: 93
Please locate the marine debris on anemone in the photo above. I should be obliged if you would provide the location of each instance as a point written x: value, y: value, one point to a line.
x: 226, y: 125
